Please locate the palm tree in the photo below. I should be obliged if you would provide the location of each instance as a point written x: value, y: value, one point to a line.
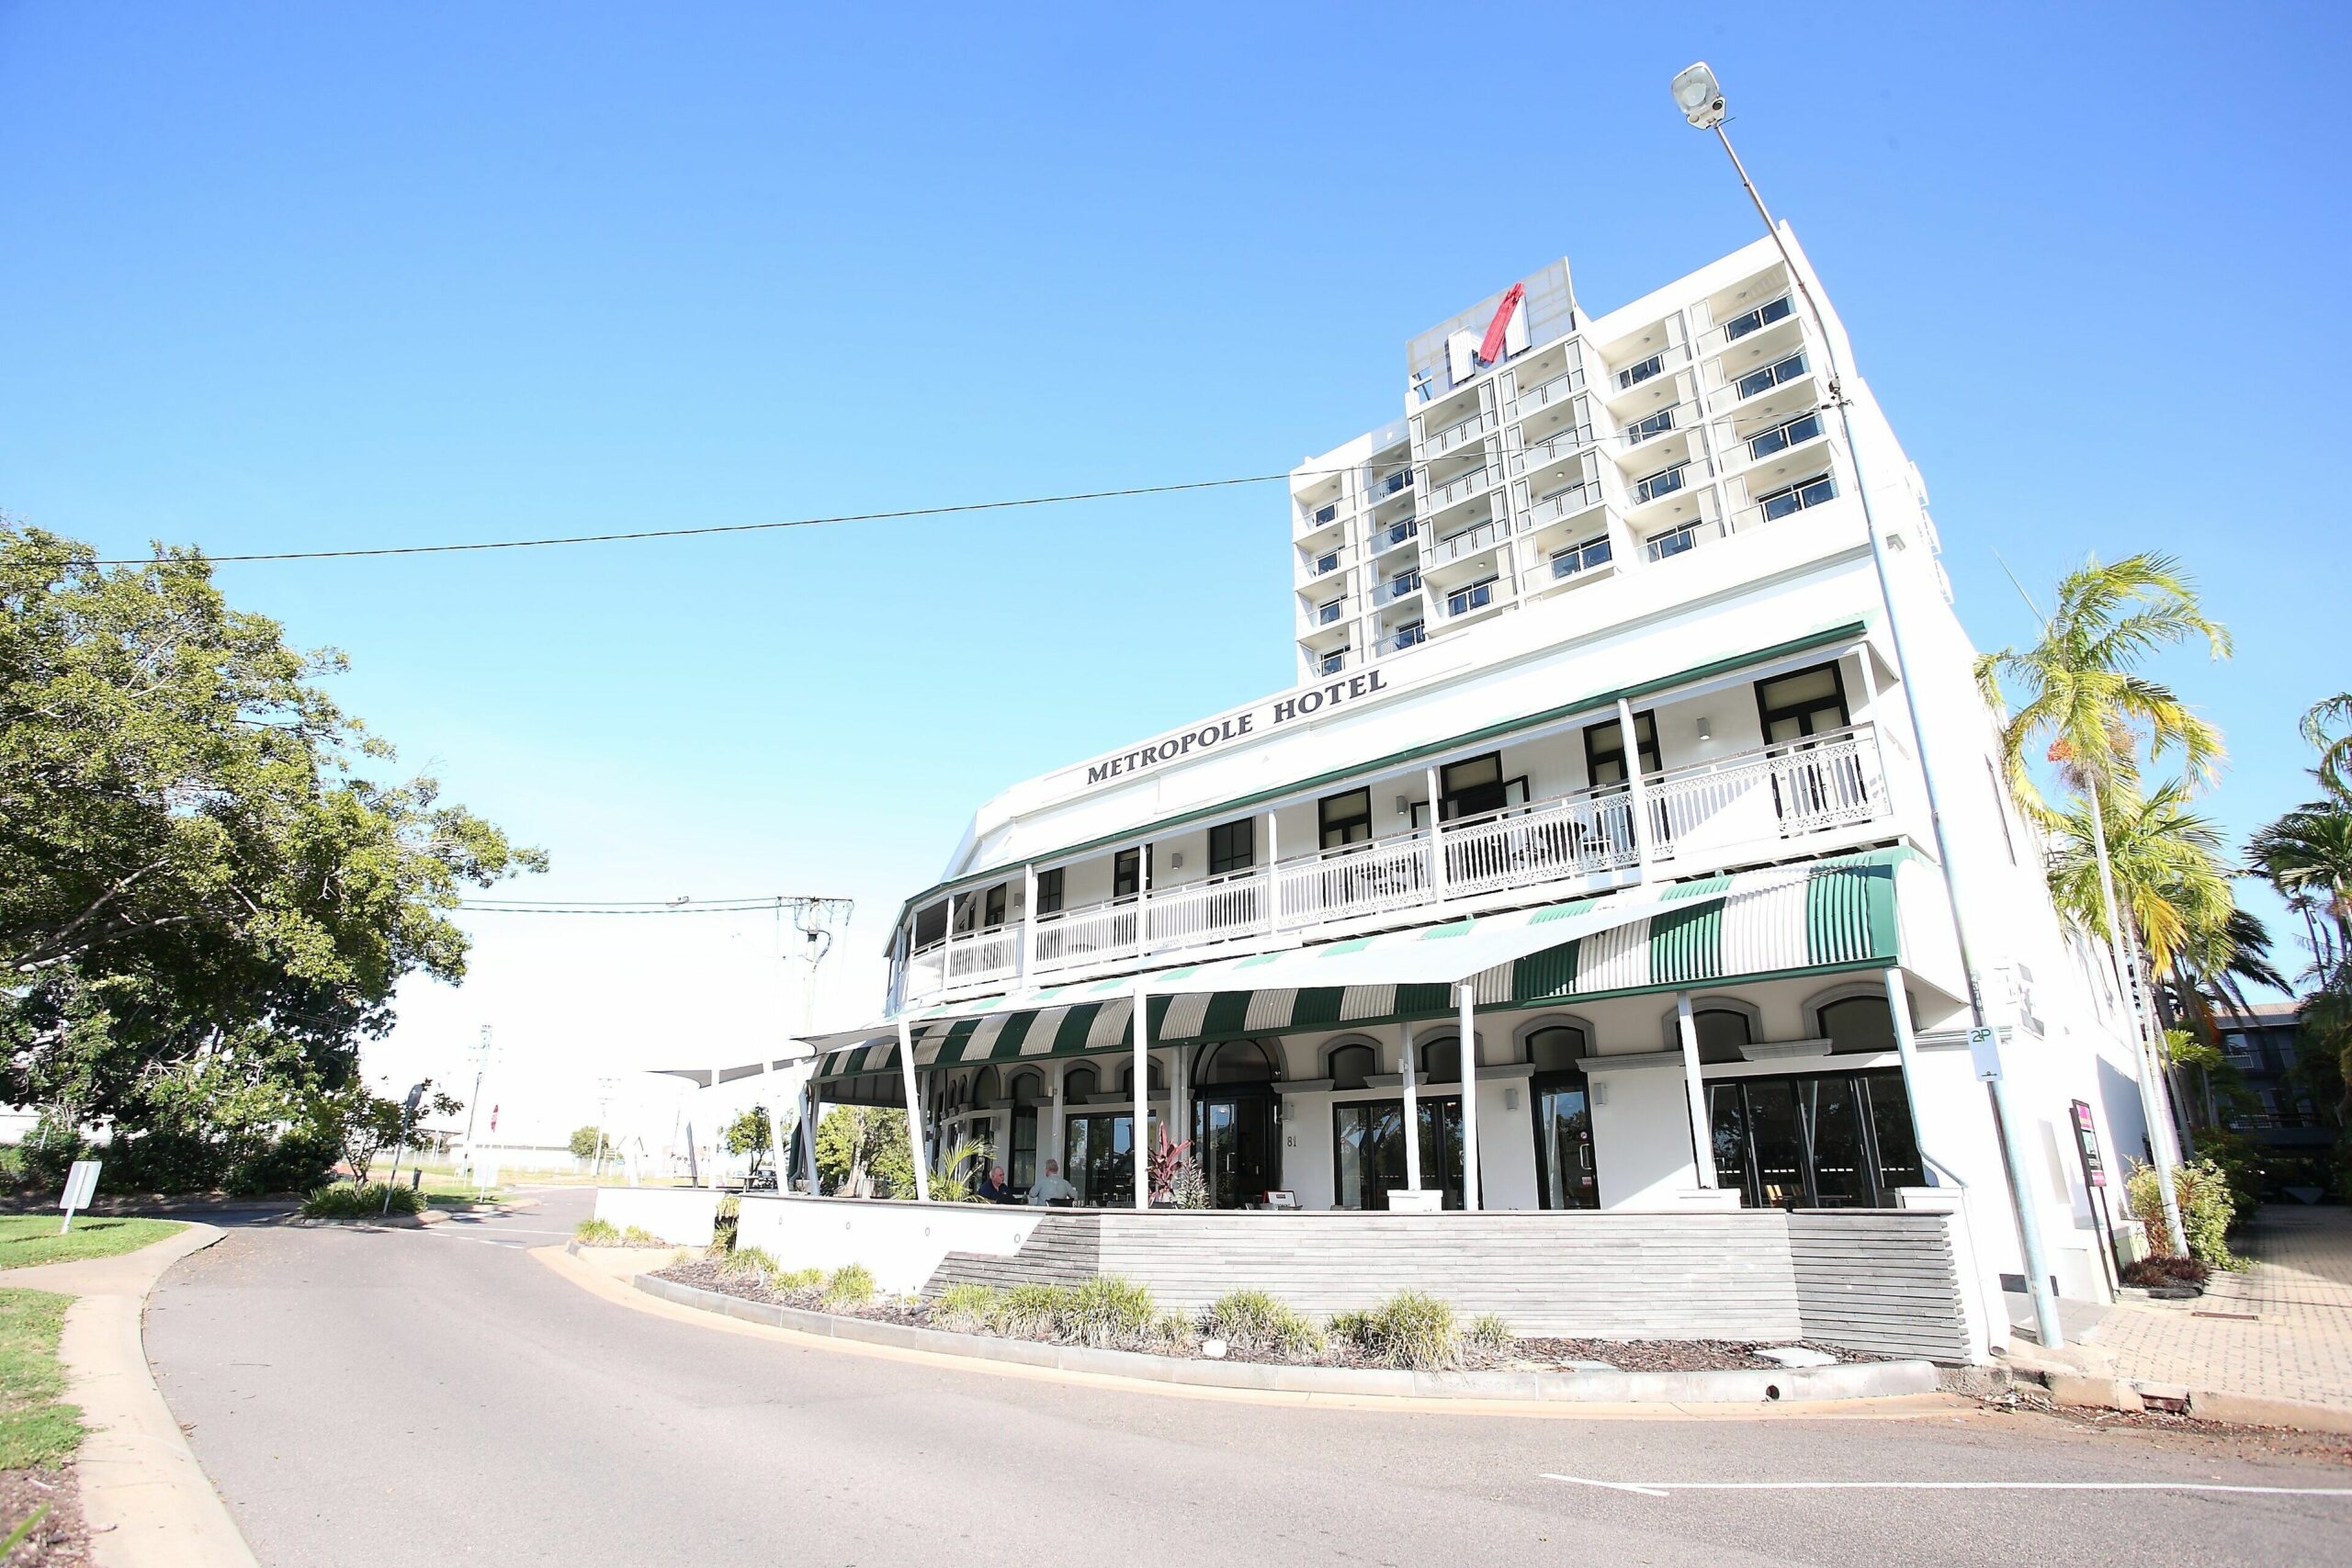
x: 2307, y: 855
x: 2088, y: 709
x: 2320, y: 726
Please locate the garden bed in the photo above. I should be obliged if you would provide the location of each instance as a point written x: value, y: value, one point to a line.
x: 1408, y: 1330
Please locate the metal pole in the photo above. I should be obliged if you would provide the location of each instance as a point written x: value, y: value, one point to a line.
x: 2045, y: 1302
x: 482, y: 1067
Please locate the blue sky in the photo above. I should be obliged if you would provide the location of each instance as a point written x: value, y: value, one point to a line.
x: 284, y: 277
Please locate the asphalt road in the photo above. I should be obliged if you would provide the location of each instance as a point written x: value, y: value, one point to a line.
x: 440, y: 1396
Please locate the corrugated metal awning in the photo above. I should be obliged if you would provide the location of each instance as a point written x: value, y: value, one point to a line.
x: 1830, y: 915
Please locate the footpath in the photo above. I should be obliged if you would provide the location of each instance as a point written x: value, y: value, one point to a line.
x: 146, y: 1500
x: 2270, y: 1346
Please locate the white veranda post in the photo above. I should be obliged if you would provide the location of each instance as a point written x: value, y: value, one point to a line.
x: 1412, y: 1107
x: 1142, y: 1097
x: 1636, y: 792
x: 810, y: 1108
x: 1466, y: 994
x: 914, y: 1109
x: 1899, y: 1007
x: 1702, y: 1143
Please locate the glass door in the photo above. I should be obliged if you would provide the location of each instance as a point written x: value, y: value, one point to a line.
x: 1369, y: 1145
x: 1564, y: 1171
x: 1234, y: 1140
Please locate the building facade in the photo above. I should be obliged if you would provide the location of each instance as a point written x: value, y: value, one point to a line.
x: 1587, y: 866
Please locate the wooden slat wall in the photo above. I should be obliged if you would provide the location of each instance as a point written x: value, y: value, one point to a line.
x: 1879, y: 1280
x: 1064, y: 1250
x: 1600, y: 1275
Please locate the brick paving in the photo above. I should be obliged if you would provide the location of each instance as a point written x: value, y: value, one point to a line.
x: 2298, y: 1294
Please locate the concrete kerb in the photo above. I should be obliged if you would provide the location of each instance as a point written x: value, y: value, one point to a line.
x: 1877, y: 1380
x: 2083, y: 1377
x: 148, y: 1501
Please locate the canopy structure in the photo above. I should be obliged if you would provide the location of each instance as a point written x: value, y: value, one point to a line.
x: 1824, y: 916
x: 708, y: 1078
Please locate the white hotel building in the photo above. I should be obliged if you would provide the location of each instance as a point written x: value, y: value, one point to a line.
x: 1597, y: 745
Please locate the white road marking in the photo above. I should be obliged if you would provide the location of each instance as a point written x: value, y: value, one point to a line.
x: 1666, y: 1488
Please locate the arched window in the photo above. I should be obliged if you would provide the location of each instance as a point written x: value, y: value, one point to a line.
x: 1557, y: 1049
x: 1721, y: 1034
x: 1351, y: 1066
x: 1858, y: 1023
x: 1081, y: 1084
x: 1238, y: 1061
x: 1128, y: 1078
x: 988, y: 1084
x: 1028, y: 1089
x: 1442, y: 1060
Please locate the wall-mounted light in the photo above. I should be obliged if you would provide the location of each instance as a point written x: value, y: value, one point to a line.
x: 1176, y: 861
x: 1510, y: 1099
x: 1401, y: 807
x: 1706, y: 727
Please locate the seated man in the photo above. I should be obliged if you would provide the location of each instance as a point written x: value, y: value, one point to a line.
x: 1050, y: 1187
x: 992, y: 1189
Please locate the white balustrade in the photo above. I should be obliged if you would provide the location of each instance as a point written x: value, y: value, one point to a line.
x: 1782, y: 792
x: 1524, y: 845
x: 1778, y: 793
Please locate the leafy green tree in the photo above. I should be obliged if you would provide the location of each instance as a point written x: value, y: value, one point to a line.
x: 367, y: 1125
x: 586, y: 1141
x: 748, y: 1134
x: 208, y: 892
x: 862, y: 1145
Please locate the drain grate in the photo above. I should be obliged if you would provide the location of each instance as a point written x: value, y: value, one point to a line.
x: 2231, y: 1316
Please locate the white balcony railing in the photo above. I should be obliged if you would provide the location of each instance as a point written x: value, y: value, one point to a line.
x: 1459, y: 434
x: 1559, y: 389
x: 1461, y: 487
x: 1576, y: 497
x: 1561, y: 443
x: 1717, y: 812
x: 1468, y: 542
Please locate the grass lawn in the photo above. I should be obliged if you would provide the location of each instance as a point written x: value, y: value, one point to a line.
x: 36, y: 1430
x: 27, y: 1239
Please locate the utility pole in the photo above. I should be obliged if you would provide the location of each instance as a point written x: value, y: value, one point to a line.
x: 473, y: 1106
x: 604, y: 1108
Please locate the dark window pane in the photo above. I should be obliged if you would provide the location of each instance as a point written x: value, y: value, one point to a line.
x: 1858, y: 1023
x: 1351, y: 1066
x: 1556, y: 1050
x: 1721, y: 1034
x: 1833, y: 1119
x: 1898, y: 1151
x: 1049, y: 891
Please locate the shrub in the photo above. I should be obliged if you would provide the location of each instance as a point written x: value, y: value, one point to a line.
x: 2145, y: 1271
x: 748, y: 1261
x: 596, y: 1232
x: 723, y: 1222
x: 1252, y: 1320
x: 2202, y: 1191
x: 1488, y: 1332
x: 1030, y: 1312
x: 344, y: 1202
x: 793, y: 1282
x: 851, y: 1285
x: 1110, y: 1312
x: 1408, y: 1329
x: 967, y: 1309
x: 638, y: 1235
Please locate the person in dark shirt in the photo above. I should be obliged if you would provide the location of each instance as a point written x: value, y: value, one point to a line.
x: 992, y: 1187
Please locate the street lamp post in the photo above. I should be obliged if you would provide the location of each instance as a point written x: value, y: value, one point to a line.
x: 473, y: 1106
x: 1700, y: 98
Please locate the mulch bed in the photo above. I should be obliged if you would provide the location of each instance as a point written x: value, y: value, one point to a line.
x: 62, y: 1539
x: 1538, y: 1354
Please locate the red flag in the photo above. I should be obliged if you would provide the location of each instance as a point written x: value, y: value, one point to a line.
x: 1499, y: 328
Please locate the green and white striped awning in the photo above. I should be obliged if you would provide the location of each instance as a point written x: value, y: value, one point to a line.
x: 1828, y: 916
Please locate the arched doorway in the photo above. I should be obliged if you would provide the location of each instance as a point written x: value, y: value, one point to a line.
x: 1566, y: 1175
x: 1233, y: 1122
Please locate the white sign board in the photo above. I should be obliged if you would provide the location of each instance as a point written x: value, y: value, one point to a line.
x: 1984, y: 1050
x: 81, y: 1185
